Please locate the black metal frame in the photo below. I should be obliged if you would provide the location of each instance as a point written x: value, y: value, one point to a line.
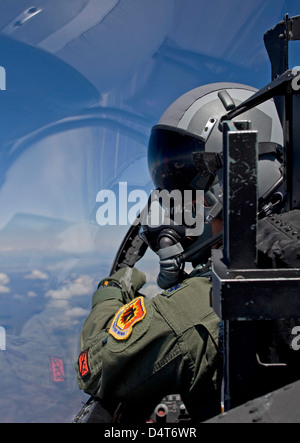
x: 242, y: 293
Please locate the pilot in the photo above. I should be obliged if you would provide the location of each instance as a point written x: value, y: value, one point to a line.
x: 136, y: 350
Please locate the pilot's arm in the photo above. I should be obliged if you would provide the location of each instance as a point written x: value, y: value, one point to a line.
x: 135, y: 350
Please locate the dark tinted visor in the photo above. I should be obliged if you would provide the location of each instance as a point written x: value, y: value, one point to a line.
x: 177, y: 160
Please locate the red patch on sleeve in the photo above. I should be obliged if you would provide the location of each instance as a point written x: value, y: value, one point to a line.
x: 83, y: 364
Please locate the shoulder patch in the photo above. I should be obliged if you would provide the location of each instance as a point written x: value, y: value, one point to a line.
x: 83, y: 364
x: 126, y: 318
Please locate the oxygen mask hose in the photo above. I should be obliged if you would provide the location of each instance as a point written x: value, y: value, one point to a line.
x: 171, y: 268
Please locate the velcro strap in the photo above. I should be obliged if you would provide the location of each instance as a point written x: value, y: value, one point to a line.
x: 106, y: 283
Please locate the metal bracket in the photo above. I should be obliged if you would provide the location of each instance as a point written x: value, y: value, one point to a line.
x: 241, y: 291
x: 277, y: 43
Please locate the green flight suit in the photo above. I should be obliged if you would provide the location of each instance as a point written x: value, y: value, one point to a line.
x: 169, y: 345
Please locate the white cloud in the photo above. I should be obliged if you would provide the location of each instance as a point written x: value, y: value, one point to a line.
x: 4, y: 289
x: 83, y: 285
x: 64, y: 299
x: 77, y: 312
x: 4, y: 279
x: 37, y: 275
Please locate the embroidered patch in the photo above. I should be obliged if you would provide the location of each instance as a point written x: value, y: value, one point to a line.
x: 174, y: 289
x: 83, y: 364
x: 126, y: 317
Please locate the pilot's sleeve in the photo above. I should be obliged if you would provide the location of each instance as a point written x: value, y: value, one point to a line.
x: 278, y: 240
x: 112, y: 293
x: 136, y: 353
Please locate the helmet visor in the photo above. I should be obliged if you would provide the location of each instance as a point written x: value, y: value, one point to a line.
x: 177, y: 160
